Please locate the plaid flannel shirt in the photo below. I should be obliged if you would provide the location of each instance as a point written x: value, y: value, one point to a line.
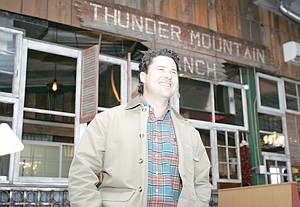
x: 164, y: 184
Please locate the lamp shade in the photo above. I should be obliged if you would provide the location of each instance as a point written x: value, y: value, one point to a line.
x: 9, y: 142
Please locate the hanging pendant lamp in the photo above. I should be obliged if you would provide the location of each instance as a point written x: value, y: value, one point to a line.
x: 54, y: 86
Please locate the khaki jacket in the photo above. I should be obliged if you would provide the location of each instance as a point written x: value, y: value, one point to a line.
x: 115, y: 143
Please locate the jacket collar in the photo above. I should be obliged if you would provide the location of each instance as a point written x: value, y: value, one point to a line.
x: 138, y: 102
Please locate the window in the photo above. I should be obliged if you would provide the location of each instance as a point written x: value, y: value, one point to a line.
x: 276, y: 169
x: 271, y: 133
x: 205, y: 137
x: 228, y: 105
x: 109, y: 85
x: 7, y: 60
x: 269, y: 93
x: 292, y: 95
x: 269, y: 89
x: 272, y: 127
x: 195, y: 99
x: 218, y: 112
x: 6, y: 113
x: 228, y: 156
x: 46, y: 159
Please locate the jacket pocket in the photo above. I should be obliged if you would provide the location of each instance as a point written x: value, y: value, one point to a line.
x: 115, y: 197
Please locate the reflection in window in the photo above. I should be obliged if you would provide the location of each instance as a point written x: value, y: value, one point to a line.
x: 39, y: 161
x: 7, y: 60
x: 270, y: 123
x: 228, y: 105
x: 109, y: 85
x: 42, y: 160
x: 205, y: 137
x: 195, y: 99
x: 6, y: 114
x: 276, y: 172
x: 134, y: 83
x: 227, y: 155
x: 271, y: 137
x: 42, y: 69
x: 269, y: 93
x: 292, y: 95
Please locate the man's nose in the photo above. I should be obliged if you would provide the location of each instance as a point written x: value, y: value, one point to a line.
x: 168, y: 74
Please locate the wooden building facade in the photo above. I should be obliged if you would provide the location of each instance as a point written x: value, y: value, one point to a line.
x: 235, y: 86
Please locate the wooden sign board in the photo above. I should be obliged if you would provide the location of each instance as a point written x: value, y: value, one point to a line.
x: 200, y: 48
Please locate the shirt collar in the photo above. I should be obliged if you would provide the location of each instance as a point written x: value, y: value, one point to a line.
x: 151, y: 109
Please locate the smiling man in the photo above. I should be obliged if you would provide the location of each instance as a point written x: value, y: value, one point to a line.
x: 148, y: 154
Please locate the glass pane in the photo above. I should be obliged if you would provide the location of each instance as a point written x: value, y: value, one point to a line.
x: 269, y: 93
x: 275, y: 178
x: 6, y: 80
x: 270, y: 164
x: 291, y: 103
x: 222, y: 154
x: 290, y: 88
x: 7, y: 60
x: 109, y: 85
x: 221, y: 138
x: 271, y: 143
x: 195, y: 99
x: 43, y: 71
x: 208, y: 151
x: 39, y: 161
x: 231, y: 139
x: 233, y: 170
x: 205, y: 136
x: 134, y: 83
x: 228, y: 103
x: 282, y: 165
x: 67, y: 156
x: 46, y: 157
x: 270, y: 123
x: 232, y: 154
x: 6, y: 114
x: 223, y: 172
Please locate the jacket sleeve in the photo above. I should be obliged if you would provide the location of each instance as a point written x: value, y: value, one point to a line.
x: 202, y: 168
x: 86, y: 166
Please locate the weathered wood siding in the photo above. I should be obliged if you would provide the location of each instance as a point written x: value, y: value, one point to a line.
x: 238, y: 18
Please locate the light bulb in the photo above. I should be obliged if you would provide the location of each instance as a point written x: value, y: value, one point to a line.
x: 54, y: 86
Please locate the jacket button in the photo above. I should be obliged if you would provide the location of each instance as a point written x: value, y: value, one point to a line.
x: 140, y: 189
x: 141, y: 161
x: 142, y: 135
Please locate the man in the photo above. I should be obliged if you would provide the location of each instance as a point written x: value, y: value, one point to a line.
x: 148, y: 154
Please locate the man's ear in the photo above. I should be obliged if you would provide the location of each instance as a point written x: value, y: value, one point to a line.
x: 143, y: 77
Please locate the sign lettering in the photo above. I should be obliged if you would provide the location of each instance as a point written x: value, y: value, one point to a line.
x: 207, y: 48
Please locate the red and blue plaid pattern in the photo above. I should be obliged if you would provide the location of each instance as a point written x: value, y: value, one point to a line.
x: 164, y: 183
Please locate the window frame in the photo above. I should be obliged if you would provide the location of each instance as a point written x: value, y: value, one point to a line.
x: 281, y: 112
x: 298, y: 95
x: 266, y: 109
x: 280, y: 158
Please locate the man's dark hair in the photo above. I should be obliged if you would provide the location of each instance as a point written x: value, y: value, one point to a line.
x: 147, y: 60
